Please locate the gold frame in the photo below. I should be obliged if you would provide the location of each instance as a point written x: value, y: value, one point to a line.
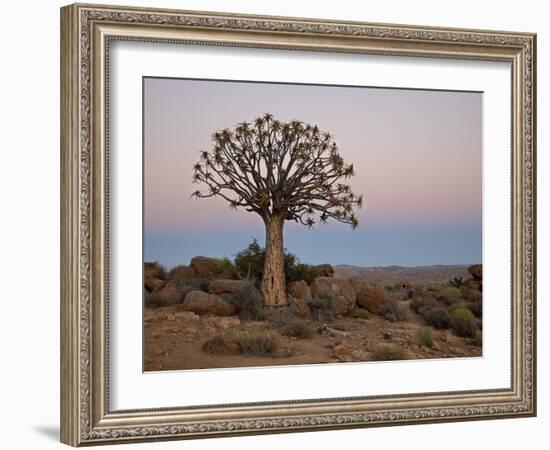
x: 86, y: 31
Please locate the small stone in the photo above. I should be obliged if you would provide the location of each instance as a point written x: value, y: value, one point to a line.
x: 387, y: 335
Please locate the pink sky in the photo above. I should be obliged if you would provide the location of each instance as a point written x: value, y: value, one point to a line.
x: 417, y: 153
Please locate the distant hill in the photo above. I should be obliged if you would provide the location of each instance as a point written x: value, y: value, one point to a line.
x: 390, y: 275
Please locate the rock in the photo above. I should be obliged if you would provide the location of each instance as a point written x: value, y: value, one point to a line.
x: 387, y: 335
x: 325, y: 270
x: 221, y: 345
x: 299, y: 290
x: 298, y: 296
x: 371, y: 298
x: 406, y: 285
x: 476, y: 271
x: 221, y: 322
x: 180, y: 273
x: 342, y: 353
x: 154, y: 284
x: 227, y: 286
x: 299, y: 308
x: 243, y: 295
x: 202, y: 303
x: 340, y: 291
x: 211, y: 268
x: 186, y: 315
x: 153, y: 270
x: 170, y: 294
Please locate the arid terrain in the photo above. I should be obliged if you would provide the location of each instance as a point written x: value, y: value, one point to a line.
x: 205, y: 316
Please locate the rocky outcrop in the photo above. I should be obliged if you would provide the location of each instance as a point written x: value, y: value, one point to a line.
x: 371, y: 298
x: 170, y: 294
x: 203, y: 303
x: 340, y: 292
x: 211, y: 268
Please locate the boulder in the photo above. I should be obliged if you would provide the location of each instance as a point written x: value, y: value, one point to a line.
x: 153, y: 270
x: 299, y: 290
x: 476, y: 271
x: 203, y: 303
x: 211, y: 268
x: 325, y: 270
x: 299, y: 307
x: 227, y: 286
x: 171, y: 294
x: 154, y: 284
x: 339, y: 291
x: 371, y: 298
x: 180, y: 273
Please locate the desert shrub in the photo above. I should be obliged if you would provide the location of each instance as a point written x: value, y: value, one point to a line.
x: 256, y: 343
x: 478, y: 338
x: 437, y: 316
x: 456, y: 282
x: 463, y: 322
x: 476, y: 307
x: 154, y: 270
x: 220, y: 345
x: 153, y: 299
x: 424, y: 337
x: 450, y: 296
x: 388, y: 353
x: 299, y: 328
x: 248, y: 301
x: 321, y: 309
x: 360, y: 313
x: 393, y: 311
x: 422, y: 302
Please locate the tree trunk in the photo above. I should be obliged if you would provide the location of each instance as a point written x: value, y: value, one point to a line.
x: 273, y: 281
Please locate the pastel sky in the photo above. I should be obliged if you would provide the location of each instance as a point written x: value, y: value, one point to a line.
x: 417, y: 155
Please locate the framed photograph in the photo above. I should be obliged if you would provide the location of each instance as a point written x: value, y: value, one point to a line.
x: 276, y: 224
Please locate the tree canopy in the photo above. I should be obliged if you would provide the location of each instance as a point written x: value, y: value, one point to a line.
x: 270, y: 167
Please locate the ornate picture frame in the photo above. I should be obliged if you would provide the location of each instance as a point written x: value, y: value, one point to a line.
x: 87, y: 32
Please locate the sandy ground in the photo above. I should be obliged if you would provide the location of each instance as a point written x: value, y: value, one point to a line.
x: 174, y: 340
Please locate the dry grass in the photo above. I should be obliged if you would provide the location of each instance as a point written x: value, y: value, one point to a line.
x: 388, y: 353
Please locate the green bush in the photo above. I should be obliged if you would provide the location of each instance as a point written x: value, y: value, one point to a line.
x: 393, y: 311
x: 463, y: 322
x: 424, y: 337
x: 478, y: 338
x: 249, y: 264
x: 303, y: 272
x: 299, y: 328
x: 360, y: 313
x: 256, y: 343
x: 388, y: 353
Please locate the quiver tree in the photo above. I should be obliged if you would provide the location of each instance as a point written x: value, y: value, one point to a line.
x: 280, y: 171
